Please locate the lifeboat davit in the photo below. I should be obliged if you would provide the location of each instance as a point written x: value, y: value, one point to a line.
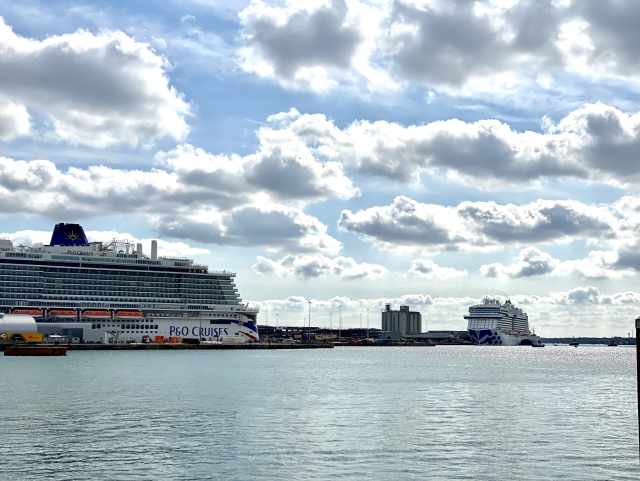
x: 128, y: 314
x: 29, y: 312
x: 101, y: 314
x: 63, y: 313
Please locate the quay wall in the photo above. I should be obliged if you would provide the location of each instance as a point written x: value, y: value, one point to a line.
x: 152, y: 347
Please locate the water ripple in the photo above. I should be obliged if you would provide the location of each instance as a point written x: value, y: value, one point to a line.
x: 445, y: 413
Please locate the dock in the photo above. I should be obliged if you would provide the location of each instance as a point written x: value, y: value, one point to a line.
x: 182, y: 347
x: 40, y: 350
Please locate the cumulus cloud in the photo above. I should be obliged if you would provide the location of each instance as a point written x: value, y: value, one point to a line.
x: 449, y: 43
x: 283, y: 173
x: 311, y: 45
x: 597, y: 265
x: 190, y: 177
x: 590, y: 295
x: 429, y: 269
x: 97, y: 90
x: 457, y: 46
x: 193, y: 194
x: 533, y: 262
x: 313, y: 266
x: 323, y: 37
x: 408, y: 225
x: 275, y: 226
x: 165, y: 248
x: 595, y: 142
x: 14, y: 120
x: 206, y: 198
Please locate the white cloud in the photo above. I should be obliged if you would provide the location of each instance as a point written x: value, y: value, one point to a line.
x: 313, y: 45
x: 97, y: 90
x: 276, y: 227
x: 192, y: 177
x: 283, y: 172
x: 533, y: 262
x: 456, y: 46
x: 596, y: 142
x: 14, y: 120
x: 429, y: 269
x: 313, y: 266
x: 429, y: 97
x: 408, y: 225
x: 597, y: 265
x: 590, y: 295
x: 207, y: 198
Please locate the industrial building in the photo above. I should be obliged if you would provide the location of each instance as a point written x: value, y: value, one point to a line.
x: 403, y: 321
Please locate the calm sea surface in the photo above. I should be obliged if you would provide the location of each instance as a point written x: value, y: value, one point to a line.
x: 481, y: 413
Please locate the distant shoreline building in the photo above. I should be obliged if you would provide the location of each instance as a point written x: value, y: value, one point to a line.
x: 403, y: 321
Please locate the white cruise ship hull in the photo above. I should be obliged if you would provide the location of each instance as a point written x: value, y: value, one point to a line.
x: 496, y: 337
x: 104, y: 331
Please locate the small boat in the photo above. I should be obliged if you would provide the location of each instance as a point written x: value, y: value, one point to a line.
x: 30, y: 312
x: 98, y: 314
x: 63, y: 313
x: 537, y: 344
x: 35, y: 351
x: 574, y: 343
x: 612, y: 343
x: 128, y: 314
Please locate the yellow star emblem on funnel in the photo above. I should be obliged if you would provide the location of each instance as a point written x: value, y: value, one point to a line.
x: 73, y: 236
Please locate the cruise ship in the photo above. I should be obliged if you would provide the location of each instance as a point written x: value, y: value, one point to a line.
x: 113, y: 292
x: 492, y: 323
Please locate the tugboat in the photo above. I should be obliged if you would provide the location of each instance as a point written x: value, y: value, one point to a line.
x: 537, y: 344
x: 574, y: 343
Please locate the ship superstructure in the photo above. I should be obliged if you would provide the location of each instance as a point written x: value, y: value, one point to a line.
x: 107, y: 289
x: 493, y: 323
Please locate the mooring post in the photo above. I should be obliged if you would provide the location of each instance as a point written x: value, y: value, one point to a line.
x: 638, y: 372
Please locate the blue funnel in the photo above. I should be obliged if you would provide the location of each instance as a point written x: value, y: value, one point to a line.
x: 68, y: 235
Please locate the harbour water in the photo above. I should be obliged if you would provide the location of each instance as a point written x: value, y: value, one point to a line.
x: 456, y: 412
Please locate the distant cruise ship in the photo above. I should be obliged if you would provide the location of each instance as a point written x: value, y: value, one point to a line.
x: 104, y: 291
x: 490, y: 323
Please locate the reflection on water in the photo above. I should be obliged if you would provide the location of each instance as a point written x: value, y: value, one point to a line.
x: 482, y: 413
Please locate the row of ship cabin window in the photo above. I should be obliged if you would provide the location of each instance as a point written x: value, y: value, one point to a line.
x: 125, y: 326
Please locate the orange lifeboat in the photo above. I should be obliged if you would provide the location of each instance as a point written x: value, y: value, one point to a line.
x: 30, y: 312
x: 128, y: 314
x: 63, y: 313
x: 101, y: 314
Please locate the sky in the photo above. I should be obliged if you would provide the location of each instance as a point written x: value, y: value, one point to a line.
x: 344, y: 152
